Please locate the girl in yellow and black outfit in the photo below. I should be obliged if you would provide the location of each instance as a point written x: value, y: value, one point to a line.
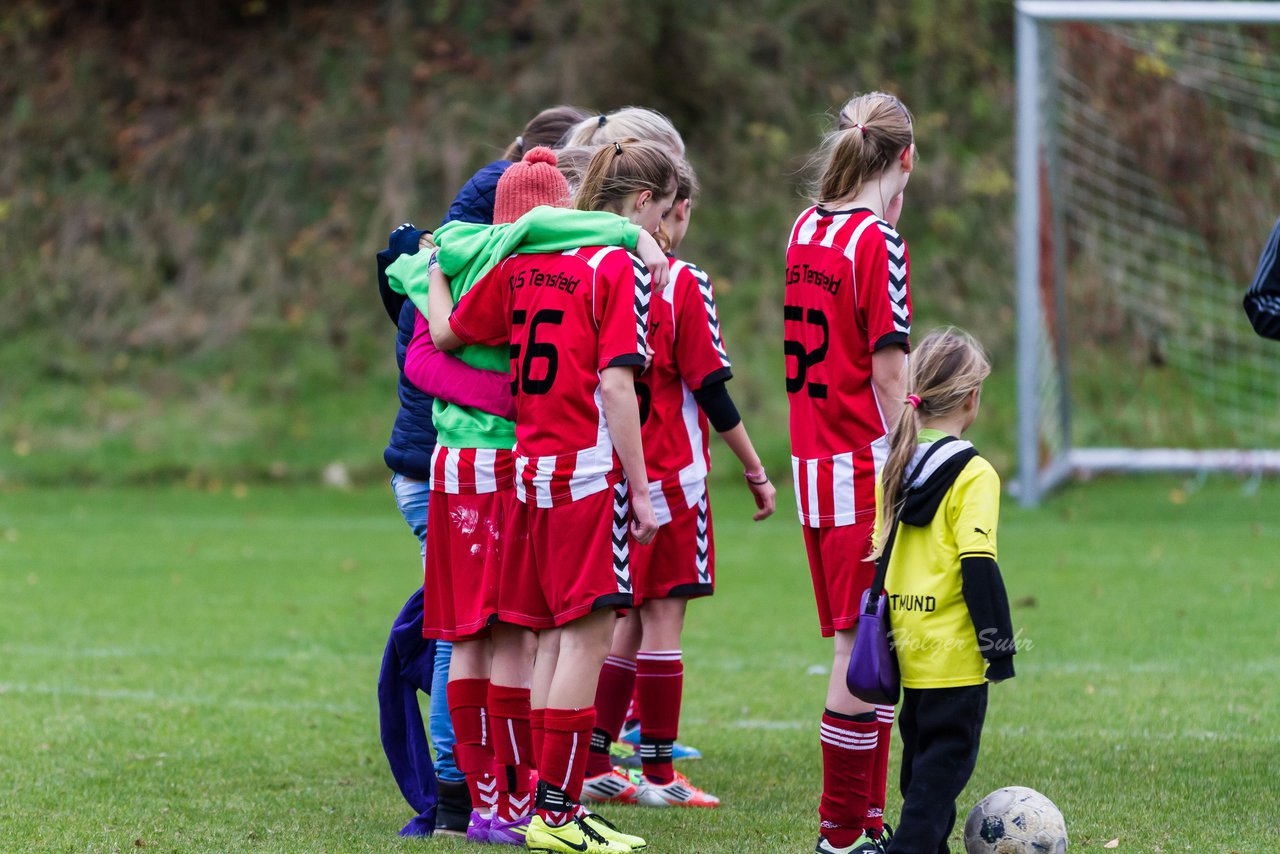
x: 947, y: 603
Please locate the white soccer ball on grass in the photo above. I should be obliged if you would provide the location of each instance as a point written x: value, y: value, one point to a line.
x: 1015, y: 820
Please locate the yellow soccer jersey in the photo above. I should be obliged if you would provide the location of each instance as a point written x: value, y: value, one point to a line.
x: 932, y: 630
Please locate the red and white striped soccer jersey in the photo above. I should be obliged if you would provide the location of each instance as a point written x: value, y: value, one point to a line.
x: 568, y: 316
x: 688, y: 353
x: 847, y: 296
x: 471, y: 471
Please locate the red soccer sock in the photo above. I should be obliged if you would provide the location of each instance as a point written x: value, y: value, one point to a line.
x: 848, y: 751
x: 613, y: 695
x: 473, y: 751
x: 659, y: 685
x: 564, y: 761
x: 537, y: 719
x: 879, y: 771
x: 512, y: 749
x: 633, y: 709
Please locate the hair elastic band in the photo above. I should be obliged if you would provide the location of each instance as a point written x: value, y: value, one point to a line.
x: 520, y: 143
x: 860, y: 126
x: 603, y: 119
x: 617, y: 148
x: 914, y: 400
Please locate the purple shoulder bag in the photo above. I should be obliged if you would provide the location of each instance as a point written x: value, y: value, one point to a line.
x: 872, y: 676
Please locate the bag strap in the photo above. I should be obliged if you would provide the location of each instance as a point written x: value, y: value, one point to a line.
x: 882, y: 562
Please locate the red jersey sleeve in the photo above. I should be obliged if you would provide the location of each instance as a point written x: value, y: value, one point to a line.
x: 483, y: 315
x: 882, y: 271
x: 622, y: 310
x: 699, y: 346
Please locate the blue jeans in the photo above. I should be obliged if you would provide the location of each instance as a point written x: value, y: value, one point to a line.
x: 412, y: 497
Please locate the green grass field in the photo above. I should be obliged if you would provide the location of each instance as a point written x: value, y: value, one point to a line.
x: 195, y: 671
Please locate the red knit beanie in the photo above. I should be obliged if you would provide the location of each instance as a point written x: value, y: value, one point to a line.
x: 531, y: 182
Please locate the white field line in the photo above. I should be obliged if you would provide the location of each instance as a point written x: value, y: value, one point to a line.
x: 1117, y: 735
x: 175, y: 699
x: 233, y: 702
x: 1073, y: 734
x: 748, y: 723
x: 72, y: 653
x: 1067, y: 668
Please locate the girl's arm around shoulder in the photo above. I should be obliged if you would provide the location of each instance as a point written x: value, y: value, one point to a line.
x: 452, y: 380
x: 481, y: 316
x: 439, y: 307
x: 547, y: 229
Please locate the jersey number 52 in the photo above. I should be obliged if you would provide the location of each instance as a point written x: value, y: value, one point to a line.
x: 804, y: 358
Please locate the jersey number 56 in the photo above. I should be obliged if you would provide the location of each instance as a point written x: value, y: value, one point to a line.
x: 535, y: 351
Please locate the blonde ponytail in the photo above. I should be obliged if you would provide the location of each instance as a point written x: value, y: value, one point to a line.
x: 871, y: 131
x: 902, y: 447
x: 621, y: 168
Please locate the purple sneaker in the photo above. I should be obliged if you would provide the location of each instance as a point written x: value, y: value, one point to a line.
x: 509, y: 832
x: 478, y: 827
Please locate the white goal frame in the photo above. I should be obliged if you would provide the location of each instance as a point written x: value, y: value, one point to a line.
x: 1035, y: 477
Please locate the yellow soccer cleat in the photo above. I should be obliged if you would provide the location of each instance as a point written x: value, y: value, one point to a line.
x: 610, y: 831
x: 573, y: 837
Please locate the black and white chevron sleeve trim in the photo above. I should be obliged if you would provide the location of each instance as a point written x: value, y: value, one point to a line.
x: 620, y: 532
x: 713, y: 317
x: 896, y: 248
x: 644, y: 288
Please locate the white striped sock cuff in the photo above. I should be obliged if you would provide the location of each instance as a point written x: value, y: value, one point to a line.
x: 847, y: 740
x: 617, y: 661
x: 884, y: 714
x: 659, y: 655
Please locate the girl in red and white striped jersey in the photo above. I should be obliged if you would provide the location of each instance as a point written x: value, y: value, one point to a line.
x: 847, y: 320
x: 576, y: 322
x: 473, y: 491
x: 682, y: 389
x: 473, y: 476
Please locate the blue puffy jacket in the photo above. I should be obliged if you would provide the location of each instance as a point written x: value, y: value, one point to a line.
x: 407, y: 662
x: 413, y: 436
x: 474, y: 202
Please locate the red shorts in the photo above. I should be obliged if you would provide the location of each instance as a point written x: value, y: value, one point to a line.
x: 840, y: 575
x: 562, y: 563
x: 464, y: 563
x: 681, y: 560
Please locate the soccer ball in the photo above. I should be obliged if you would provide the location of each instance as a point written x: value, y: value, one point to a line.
x: 1015, y: 820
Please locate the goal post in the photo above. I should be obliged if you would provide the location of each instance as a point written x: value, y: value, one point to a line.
x: 1131, y: 223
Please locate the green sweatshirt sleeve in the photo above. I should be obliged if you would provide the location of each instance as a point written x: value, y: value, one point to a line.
x: 548, y: 229
x: 408, y: 275
x: 468, y: 250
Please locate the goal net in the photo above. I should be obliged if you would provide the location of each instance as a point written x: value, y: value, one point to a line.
x: 1149, y: 178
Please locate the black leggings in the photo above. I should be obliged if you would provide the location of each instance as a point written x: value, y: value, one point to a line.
x: 940, y: 730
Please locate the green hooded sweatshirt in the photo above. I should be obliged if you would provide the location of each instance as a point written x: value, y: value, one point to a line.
x: 466, y: 252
